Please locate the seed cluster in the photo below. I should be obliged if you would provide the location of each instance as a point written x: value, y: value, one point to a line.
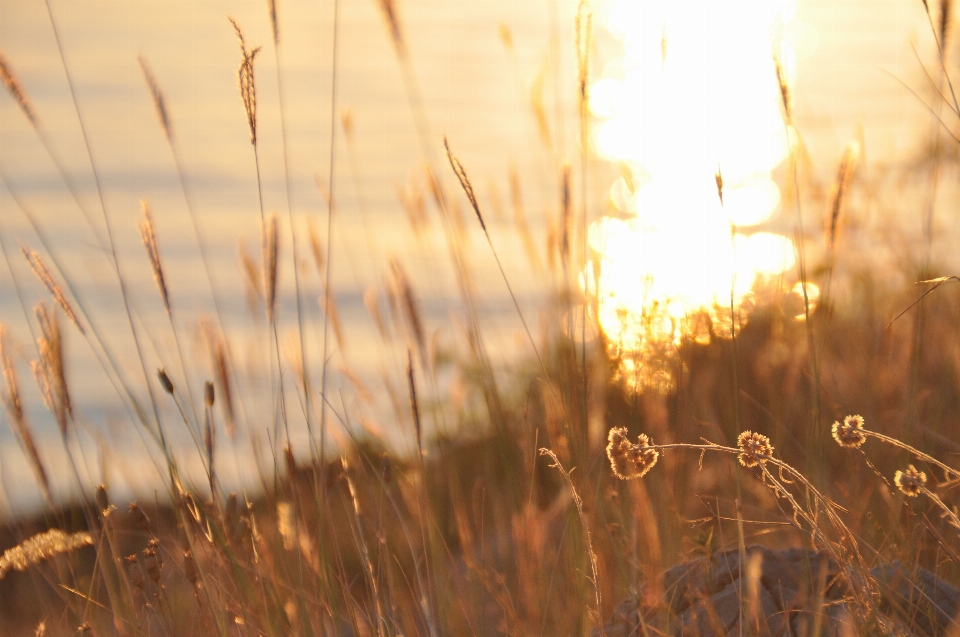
x: 630, y: 460
x: 754, y: 448
x: 40, y: 547
x: 850, y: 433
x: 911, y: 481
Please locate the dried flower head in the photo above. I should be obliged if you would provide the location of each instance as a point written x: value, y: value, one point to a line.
x: 40, y: 547
x: 754, y: 448
x: 630, y: 460
x: 910, y: 482
x: 850, y: 433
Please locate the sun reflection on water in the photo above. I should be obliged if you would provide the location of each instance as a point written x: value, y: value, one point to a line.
x: 694, y: 94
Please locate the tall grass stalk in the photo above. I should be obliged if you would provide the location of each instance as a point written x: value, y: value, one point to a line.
x: 110, y: 240
x: 816, y: 466
x: 166, y: 124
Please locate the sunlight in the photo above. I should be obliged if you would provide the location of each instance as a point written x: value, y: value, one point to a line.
x: 694, y: 93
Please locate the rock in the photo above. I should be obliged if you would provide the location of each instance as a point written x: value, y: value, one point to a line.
x: 786, y: 593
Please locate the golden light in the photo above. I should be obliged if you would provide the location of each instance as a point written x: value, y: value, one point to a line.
x: 695, y: 93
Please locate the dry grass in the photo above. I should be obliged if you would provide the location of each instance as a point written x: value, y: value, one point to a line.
x: 505, y: 520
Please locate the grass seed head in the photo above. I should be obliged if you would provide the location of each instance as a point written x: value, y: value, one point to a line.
x: 138, y: 517
x: 135, y: 572
x: 910, y: 482
x: 410, y: 307
x: 12, y: 397
x: 269, y: 246
x: 461, y: 174
x: 158, y: 101
x: 218, y: 356
x: 103, y: 498
x: 165, y: 381
x: 584, y: 42
x: 945, y: 11
x: 629, y: 460
x: 755, y: 448
x: 149, y: 238
x: 18, y: 422
x: 40, y: 269
x: 272, y: 10
x: 153, y: 564
x: 49, y: 370
x: 40, y: 547
x: 848, y: 164
x: 850, y: 433
x: 248, y: 86
x: 16, y: 91
x: 389, y: 10
x: 785, y: 96
x: 190, y: 568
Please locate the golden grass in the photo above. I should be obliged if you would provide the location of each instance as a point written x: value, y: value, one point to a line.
x: 474, y: 533
x: 41, y: 547
x: 16, y: 91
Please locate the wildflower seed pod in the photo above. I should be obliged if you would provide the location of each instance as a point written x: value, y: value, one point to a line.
x: 910, y: 482
x: 850, y: 433
x: 630, y: 461
x: 165, y: 381
x: 755, y: 448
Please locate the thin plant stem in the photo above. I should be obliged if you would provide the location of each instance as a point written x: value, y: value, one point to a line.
x: 304, y: 363
x: 106, y: 218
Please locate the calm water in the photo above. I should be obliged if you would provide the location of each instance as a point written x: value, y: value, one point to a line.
x: 476, y: 89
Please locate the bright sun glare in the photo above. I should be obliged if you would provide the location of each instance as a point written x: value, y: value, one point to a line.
x: 694, y: 93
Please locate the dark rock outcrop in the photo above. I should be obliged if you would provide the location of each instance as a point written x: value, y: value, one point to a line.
x: 786, y: 593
